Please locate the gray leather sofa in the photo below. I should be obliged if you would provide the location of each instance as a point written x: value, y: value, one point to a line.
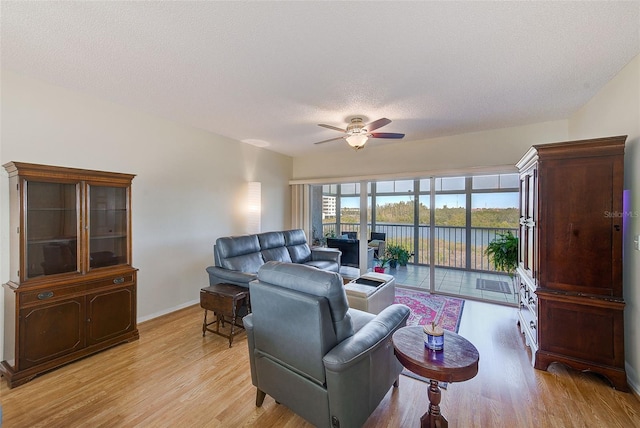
x: 330, y: 364
x: 238, y: 258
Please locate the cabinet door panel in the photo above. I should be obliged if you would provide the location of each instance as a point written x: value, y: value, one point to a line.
x: 108, y: 226
x: 582, y: 331
x: 50, y: 331
x: 110, y: 313
x: 577, y: 232
x: 51, y: 228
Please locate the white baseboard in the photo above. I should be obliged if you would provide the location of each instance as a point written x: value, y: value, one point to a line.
x: 632, y: 380
x: 168, y: 311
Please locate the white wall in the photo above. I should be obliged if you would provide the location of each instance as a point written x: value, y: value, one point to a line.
x: 615, y: 110
x: 189, y: 189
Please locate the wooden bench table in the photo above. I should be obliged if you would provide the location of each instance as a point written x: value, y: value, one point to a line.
x: 225, y: 301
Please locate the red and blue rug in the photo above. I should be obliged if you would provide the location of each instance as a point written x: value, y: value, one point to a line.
x: 426, y: 307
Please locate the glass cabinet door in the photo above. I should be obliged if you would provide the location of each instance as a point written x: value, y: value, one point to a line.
x: 51, y: 228
x: 108, y: 226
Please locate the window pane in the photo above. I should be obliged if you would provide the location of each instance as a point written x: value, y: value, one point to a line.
x: 384, y: 187
x: 423, y: 210
x: 328, y: 206
x: 350, y: 210
x: 404, y: 186
x: 394, y: 209
x: 450, y: 210
x: 425, y: 185
x: 349, y: 189
x: 509, y: 181
x: 449, y: 183
x: 486, y: 182
x: 495, y: 210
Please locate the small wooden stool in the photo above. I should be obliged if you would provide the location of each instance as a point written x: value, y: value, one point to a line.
x: 225, y: 300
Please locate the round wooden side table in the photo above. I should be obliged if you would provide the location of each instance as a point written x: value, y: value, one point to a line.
x: 457, y: 362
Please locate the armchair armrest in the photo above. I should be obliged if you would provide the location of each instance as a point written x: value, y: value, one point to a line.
x: 329, y: 254
x: 247, y: 321
x: 371, y: 336
x: 218, y: 275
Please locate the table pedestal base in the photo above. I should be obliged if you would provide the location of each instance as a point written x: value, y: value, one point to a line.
x: 433, y: 418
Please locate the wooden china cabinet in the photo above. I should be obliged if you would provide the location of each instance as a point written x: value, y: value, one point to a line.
x: 72, y: 289
x: 570, y: 255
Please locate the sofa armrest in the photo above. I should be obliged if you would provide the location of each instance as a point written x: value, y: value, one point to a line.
x: 218, y: 275
x: 371, y: 336
x: 329, y: 254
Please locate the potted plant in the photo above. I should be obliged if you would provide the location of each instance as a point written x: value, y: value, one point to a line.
x: 382, y: 263
x: 398, y: 254
x: 503, y: 251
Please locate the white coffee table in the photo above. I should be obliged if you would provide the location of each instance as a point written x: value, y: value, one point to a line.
x: 371, y: 298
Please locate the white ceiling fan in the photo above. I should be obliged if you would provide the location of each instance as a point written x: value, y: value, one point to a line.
x: 357, y: 133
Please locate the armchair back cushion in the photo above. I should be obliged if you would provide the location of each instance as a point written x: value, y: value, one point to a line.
x: 275, y: 333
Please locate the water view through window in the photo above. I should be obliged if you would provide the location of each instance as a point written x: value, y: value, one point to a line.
x: 468, y: 213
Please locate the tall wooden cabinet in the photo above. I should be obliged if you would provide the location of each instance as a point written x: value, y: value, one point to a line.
x: 570, y: 267
x: 72, y: 289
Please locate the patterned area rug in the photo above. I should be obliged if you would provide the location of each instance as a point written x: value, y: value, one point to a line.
x: 426, y: 307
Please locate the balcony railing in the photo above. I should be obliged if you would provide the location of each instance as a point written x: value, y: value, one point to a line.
x: 454, y: 247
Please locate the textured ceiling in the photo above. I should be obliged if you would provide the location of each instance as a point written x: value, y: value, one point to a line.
x: 271, y: 71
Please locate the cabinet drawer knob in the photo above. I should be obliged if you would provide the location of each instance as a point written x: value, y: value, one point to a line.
x: 45, y: 295
x: 118, y: 280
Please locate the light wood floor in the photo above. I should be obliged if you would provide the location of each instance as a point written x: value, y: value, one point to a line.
x: 173, y: 377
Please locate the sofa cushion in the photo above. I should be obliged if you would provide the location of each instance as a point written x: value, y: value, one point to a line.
x: 249, y: 263
x: 299, y: 253
x: 327, y: 265
x: 272, y: 245
x: 232, y: 246
x: 241, y: 253
x: 278, y: 254
x: 269, y: 240
x: 296, y: 242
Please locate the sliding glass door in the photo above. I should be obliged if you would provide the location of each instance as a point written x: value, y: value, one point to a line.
x: 445, y: 223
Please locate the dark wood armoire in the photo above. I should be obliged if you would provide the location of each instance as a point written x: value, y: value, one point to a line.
x: 570, y: 267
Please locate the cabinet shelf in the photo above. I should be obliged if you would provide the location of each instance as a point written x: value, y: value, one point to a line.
x: 52, y: 240
x: 110, y: 236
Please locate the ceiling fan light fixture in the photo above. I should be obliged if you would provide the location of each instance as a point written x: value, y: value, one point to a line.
x: 357, y: 141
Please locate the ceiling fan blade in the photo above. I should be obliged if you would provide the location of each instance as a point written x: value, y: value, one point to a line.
x: 386, y: 135
x: 331, y: 127
x: 330, y: 139
x: 377, y: 124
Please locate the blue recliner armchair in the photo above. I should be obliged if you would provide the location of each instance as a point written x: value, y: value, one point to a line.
x: 308, y: 350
